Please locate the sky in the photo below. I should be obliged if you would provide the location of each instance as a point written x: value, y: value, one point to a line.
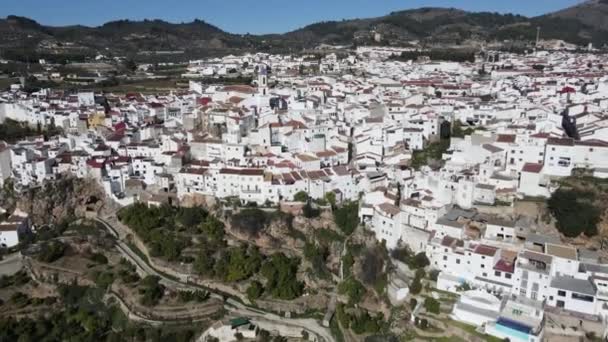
x: 250, y: 16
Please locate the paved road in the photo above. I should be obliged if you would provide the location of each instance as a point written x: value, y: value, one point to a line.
x: 231, y: 305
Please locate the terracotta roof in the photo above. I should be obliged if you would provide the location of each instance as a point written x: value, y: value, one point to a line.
x: 532, y: 168
x: 504, y: 266
x: 506, y: 138
x: 560, y: 141
x: 485, y: 250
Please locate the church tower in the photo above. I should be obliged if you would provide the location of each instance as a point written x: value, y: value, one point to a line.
x: 263, y: 80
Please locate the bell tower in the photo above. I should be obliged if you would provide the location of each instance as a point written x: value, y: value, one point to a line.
x: 263, y: 80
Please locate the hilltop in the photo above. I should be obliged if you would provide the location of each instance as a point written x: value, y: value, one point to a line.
x: 593, y: 13
x: 429, y: 26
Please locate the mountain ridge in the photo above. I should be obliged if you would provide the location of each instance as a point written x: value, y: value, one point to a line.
x: 579, y: 24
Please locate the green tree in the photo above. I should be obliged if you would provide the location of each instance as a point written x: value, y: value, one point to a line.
x: 255, y: 290
x: 301, y: 196
x: 575, y: 212
x: 353, y: 289
x: 309, y: 211
x: 347, y: 217
x: 330, y: 197
x: 432, y: 305
x: 151, y: 290
x: 280, y: 272
x: 51, y: 251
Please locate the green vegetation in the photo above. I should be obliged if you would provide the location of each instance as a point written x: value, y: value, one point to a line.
x: 193, y: 296
x: 452, y: 55
x: 99, y: 258
x: 158, y: 227
x: 405, y: 255
x: 103, y: 279
x: 127, y: 272
x: 330, y: 197
x: 51, y: 251
x: 280, y: 272
x: 353, y: 289
x: 309, y: 211
x: 432, y: 153
x: 84, y: 317
x: 12, y: 131
x: 347, y: 217
x: 459, y: 132
x: 348, y: 260
x: 336, y: 332
x: 431, y: 305
x: 151, y: 290
x: 317, y: 255
x: 18, y: 279
x: 250, y: 221
x: 575, y: 211
x: 416, y: 285
x: 255, y: 290
x: 301, y: 196
x: 359, y: 321
x: 242, y: 263
x: 327, y: 236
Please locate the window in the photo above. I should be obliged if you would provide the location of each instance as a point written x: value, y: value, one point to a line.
x: 445, y: 257
x: 508, y: 275
x: 458, y: 261
x: 561, y: 293
x: 484, y: 274
x: 582, y: 297
x: 497, y: 273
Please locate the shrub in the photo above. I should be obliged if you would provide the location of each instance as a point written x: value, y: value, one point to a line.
x: 432, y: 305
x: 51, y: 251
x: 301, y: 196
x: 255, y: 290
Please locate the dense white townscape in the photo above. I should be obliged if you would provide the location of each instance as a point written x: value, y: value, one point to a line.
x: 358, y: 130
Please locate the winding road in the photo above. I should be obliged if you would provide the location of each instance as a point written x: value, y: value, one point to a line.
x: 232, y: 306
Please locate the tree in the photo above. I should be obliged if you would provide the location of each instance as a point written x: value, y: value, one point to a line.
x: 420, y: 261
x: 51, y: 251
x: 347, y: 217
x: 309, y: 211
x: 416, y: 286
x: 213, y: 229
x: 301, y: 196
x: 255, y: 290
x: 353, y: 289
x: 413, y: 303
x: 432, y: 305
x: 330, y: 197
x: 280, y: 272
x: 151, y: 290
x: 575, y: 212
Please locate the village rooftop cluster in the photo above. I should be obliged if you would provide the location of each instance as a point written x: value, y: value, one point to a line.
x: 428, y: 149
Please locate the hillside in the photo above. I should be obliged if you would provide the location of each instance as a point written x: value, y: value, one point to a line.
x: 593, y: 13
x: 24, y: 38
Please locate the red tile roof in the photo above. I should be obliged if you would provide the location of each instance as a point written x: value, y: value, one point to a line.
x: 532, y: 168
x: 485, y: 250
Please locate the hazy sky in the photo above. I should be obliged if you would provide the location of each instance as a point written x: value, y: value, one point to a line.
x: 242, y: 16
